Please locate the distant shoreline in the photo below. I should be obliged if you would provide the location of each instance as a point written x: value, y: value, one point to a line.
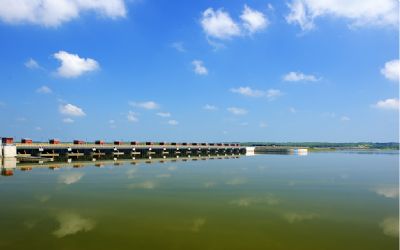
x: 327, y: 146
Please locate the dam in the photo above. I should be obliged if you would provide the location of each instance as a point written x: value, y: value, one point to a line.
x: 27, y: 149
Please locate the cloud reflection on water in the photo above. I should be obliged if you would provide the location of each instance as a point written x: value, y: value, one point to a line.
x: 387, y: 191
x: 163, y: 176
x: 72, y: 223
x: 70, y: 178
x: 294, y: 217
x: 198, y: 223
x: 390, y: 226
x: 247, y: 201
x: 143, y: 185
x: 236, y: 181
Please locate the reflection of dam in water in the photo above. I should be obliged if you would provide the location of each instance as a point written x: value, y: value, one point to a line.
x: 9, y: 165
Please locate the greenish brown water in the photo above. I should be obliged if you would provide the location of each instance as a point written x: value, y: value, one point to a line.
x: 337, y: 200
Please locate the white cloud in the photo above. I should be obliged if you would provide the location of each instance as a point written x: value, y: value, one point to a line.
x: 210, y: 107
x: 391, y: 70
x: 132, y: 116
x: 44, y: 90
x: 263, y: 125
x: 145, y: 105
x: 73, y: 66
x: 52, y: 13
x: 344, y: 118
x: 237, y: 111
x: 273, y: 94
x: 358, y: 12
x: 72, y: 110
x: 292, y: 110
x: 253, y: 20
x: 173, y: 122
x: 70, y: 178
x: 71, y: 223
x: 219, y: 24
x: 199, y: 67
x: 164, y: 114
x: 390, y: 226
x: 298, y: 76
x: 31, y: 63
x: 68, y: 120
x: 178, y: 46
x: 247, y: 91
x: 391, y: 103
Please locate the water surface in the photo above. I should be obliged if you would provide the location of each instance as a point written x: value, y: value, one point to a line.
x: 335, y: 200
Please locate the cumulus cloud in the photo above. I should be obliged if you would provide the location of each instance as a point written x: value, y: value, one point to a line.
x: 199, y: 67
x: 71, y: 110
x: 210, y: 107
x: 388, y: 104
x: 31, y: 63
x: 52, y: 13
x: 164, y: 114
x: 72, y: 223
x: 145, y: 105
x: 247, y: 91
x: 219, y: 24
x: 73, y: 66
x: 44, y: 90
x: 70, y: 178
x: 344, y: 118
x: 263, y: 125
x: 358, y: 12
x: 298, y: 76
x: 132, y: 116
x: 178, y: 46
x: 68, y: 120
x: 271, y: 94
x: 390, y: 226
x: 237, y: 111
x: 391, y: 70
x: 173, y: 122
x: 253, y: 20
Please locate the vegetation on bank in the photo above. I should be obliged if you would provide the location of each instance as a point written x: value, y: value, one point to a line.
x: 329, y: 145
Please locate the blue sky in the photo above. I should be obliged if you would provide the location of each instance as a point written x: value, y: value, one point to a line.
x: 299, y: 70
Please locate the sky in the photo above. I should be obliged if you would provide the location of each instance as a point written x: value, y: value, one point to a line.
x: 207, y: 70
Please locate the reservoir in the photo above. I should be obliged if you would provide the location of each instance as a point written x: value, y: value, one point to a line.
x: 325, y: 200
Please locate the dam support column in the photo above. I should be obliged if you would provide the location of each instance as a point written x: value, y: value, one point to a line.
x: 8, y: 148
